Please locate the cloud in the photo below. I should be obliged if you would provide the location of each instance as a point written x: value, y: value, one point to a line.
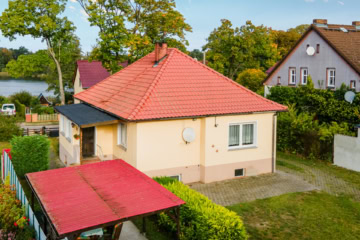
x: 72, y: 8
x: 341, y: 3
x: 74, y: 1
x: 83, y: 13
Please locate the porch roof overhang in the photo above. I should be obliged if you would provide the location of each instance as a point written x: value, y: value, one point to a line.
x: 78, y: 199
x: 84, y: 115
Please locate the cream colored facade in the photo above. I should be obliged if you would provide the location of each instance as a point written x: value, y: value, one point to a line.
x: 157, y: 148
x: 77, y: 86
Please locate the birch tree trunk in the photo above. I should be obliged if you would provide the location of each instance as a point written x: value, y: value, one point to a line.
x: 58, y: 67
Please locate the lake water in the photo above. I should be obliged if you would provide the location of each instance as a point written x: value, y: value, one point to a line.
x: 11, y: 86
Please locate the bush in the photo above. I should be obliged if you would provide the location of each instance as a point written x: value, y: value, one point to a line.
x: 200, y: 217
x: 327, y: 106
x: 20, y: 109
x: 23, y: 97
x: 39, y: 109
x: 251, y: 79
x: 30, y: 154
x: 8, y: 128
x: 301, y: 133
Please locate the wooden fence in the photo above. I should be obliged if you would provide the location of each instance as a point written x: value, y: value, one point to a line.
x: 49, y: 131
x: 7, y: 169
x: 48, y: 117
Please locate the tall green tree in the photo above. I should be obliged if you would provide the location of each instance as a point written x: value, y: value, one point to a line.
x: 5, y: 57
x: 232, y: 50
x: 196, y: 53
x: 40, y: 19
x: 19, y: 51
x: 27, y: 66
x: 251, y: 79
x: 128, y: 29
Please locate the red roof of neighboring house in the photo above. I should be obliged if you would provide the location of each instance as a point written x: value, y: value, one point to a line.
x: 179, y: 86
x: 88, y: 196
x: 92, y: 72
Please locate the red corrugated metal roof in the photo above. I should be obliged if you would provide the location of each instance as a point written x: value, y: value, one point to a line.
x: 92, y: 72
x: 83, y: 197
x: 179, y: 86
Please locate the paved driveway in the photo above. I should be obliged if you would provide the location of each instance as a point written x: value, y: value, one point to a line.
x: 234, y: 191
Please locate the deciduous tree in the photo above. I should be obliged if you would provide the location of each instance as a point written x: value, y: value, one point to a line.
x: 39, y: 19
x: 128, y: 28
x: 232, y: 50
x: 251, y: 78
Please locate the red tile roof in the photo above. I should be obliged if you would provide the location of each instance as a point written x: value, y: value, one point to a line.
x: 179, y: 86
x: 92, y: 72
x: 88, y: 196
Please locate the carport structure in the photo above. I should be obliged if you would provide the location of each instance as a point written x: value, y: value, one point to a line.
x: 98, y: 195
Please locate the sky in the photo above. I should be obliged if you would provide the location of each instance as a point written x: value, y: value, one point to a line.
x: 205, y: 15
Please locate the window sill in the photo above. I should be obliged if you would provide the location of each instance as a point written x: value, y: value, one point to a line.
x: 292, y: 84
x: 330, y: 87
x: 243, y: 147
x: 122, y: 147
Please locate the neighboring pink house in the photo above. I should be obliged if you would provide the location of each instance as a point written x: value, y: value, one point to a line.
x: 89, y: 74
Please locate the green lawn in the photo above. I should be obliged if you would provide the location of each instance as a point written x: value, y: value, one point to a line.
x: 310, y: 215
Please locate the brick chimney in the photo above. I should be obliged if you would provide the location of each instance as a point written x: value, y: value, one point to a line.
x: 356, y: 24
x: 160, y: 51
x: 320, y: 22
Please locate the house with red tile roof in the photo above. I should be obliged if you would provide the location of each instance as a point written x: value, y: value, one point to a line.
x: 168, y: 114
x: 329, y: 53
x: 88, y: 74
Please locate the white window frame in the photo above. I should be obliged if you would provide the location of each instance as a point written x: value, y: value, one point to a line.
x: 122, y: 140
x: 292, y: 75
x: 241, y: 146
x: 62, y: 124
x: 242, y: 172
x: 329, y: 70
x: 177, y: 177
x: 303, y: 71
x: 68, y: 130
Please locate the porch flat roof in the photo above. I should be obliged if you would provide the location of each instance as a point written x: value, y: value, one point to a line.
x: 83, y: 114
x: 82, y: 198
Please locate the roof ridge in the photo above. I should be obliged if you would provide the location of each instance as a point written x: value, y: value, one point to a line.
x: 150, y: 89
x: 228, y: 79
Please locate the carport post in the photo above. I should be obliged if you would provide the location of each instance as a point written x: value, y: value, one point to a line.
x: 143, y: 226
x: 177, y: 215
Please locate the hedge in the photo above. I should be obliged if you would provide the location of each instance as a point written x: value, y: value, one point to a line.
x: 8, y: 128
x: 201, y: 218
x: 30, y: 154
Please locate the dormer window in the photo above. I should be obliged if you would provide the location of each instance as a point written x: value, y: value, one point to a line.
x: 292, y: 76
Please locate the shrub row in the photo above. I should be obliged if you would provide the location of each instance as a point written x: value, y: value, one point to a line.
x: 8, y: 128
x: 30, y: 154
x: 200, y: 217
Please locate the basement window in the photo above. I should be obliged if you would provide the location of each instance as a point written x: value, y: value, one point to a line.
x: 239, y: 172
x: 176, y: 177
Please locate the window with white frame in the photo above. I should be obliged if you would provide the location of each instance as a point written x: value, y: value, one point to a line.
x: 292, y: 75
x: 331, y: 77
x: 239, y: 172
x: 122, y: 134
x: 353, y: 84
x: 279, y: 80
x: 62, y: 124
x: 68, y: 129
x: 242, y: 135
x: 304, y: 76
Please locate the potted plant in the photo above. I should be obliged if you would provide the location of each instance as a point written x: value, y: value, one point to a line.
x: 76, y: 136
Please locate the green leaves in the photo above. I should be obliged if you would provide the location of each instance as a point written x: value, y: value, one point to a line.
x: 201, y: 218
x: 252, y: 79
x: 232, y: 50
x: 128, y: 29
x: 30, y: 154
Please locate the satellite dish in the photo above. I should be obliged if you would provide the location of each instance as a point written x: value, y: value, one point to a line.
x: 310, y: 51
x: 188, y: 135
x: 349, y: 96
